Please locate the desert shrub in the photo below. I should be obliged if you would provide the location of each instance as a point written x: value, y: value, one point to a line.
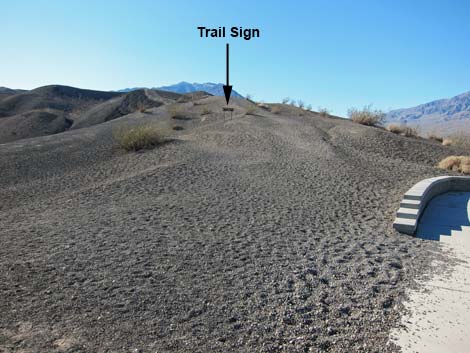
x: 308, y: 107
x: 409, y: 131
x: 141, y: 108
x: 323, y: 111
x: 176, y: 112
x: 249, y: 96
x: 206, y: 111
x: 458, y: 140
x: 250, y: 110
x: 276, y: 109
x: 263, y: 106
x: 436, y: 138
x: 456, y: 163
x: 395, y: 128
x: 447, y: 142
x: 285, y: 100
x: 367, y: 116
x: 300, y: 104
x: 139, y: 137
x: 403, y: 130
x: 292, y: 102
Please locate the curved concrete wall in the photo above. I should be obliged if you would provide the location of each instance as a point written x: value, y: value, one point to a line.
x: 415, y: 200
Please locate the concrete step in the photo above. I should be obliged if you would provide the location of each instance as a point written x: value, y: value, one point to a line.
x: 405, y: 225
x: 412, y: 197
x: 411, y: 213
x: 461, y: 233
x: 410, y: 204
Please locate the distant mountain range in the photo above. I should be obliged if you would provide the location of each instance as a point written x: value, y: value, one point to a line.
x: 186, y: 87
x: 443, y: 116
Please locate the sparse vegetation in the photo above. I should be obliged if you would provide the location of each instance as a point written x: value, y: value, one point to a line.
x: 206, y: 111
x: 395, y: 128
x: 367, y: 116
x: 323, y: 111
x: 446, y: 142
x: 456, y: 163
x: 139, y: 137
x: 251, y: 110
x: 141, y: 108
x: 249, y: 97
x: 300, y: 104
x: 403, y: 130
x: 276, y: 109
x: 458, y: 140
x: 285, y: 100
x: 309, y: 107
x: 436, y: 138
x: 177, y: 113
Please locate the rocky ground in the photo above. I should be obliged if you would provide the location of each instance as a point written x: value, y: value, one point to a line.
x: 264, y: 233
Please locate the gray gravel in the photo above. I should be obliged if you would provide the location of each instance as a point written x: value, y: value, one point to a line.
x: 265, y: 233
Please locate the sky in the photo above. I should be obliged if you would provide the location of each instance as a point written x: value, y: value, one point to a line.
x: 331, y: 54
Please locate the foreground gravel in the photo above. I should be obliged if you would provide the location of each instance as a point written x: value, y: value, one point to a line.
x: 265, y: 233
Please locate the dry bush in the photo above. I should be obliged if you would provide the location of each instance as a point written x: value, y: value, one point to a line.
x: 458, y: 140
x: 410, y: 132
x: 403, y: 130
x: 367, y: 116
x: 251, y: 110
x: 285, y: 100
x: 176, y: 112
x: 262, y: 106
x: 139, y: 137
x: 300, y: 104
x: 446, y: 142
x: 395, y: 128
x: 276, y: 109
x: 206, y: 111
x: 323, y: 111
x: 141, y: 108
x: 436, y: 138
x: 308, y: 107
x: 456, y: 163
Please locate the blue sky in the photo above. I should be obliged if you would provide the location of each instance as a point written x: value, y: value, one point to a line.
x: 334, y: 54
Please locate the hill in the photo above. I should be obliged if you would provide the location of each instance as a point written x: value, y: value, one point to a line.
x: 446, y: 116
x: 54, y: 109
x: 5, y: 92
x: 185, y: 87
x: 269, y: 230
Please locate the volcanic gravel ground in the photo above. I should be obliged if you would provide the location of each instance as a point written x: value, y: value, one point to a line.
x: 265, y: 233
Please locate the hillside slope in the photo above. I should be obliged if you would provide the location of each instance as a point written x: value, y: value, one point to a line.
x: 445, y: 116
x: 54, y: 109
x: 264, y: 232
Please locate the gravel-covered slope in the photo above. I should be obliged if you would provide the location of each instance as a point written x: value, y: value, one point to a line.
x: 265, y: 233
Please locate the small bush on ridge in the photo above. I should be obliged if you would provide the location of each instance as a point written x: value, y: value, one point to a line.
x: 367, y: 116
x: 139, y: 137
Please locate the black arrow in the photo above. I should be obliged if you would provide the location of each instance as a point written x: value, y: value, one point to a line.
x: 227, y: 87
